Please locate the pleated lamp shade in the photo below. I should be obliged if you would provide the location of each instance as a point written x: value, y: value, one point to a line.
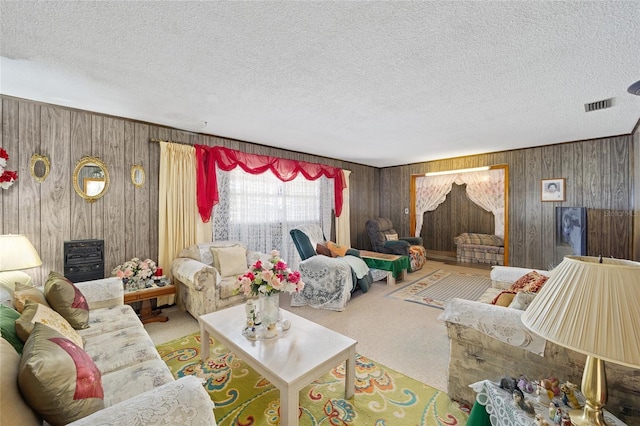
x: 17, y: 252
x: 592, y: 308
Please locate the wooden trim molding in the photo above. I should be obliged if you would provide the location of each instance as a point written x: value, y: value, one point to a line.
x: 412, y: 217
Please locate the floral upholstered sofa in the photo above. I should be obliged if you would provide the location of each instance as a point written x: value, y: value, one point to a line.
x: 206, y: 274
x: 107, y: 372
x: 489, y: 341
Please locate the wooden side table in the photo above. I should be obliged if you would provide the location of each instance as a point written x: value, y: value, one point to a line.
x: 145, y: 295
x: 395, y: 265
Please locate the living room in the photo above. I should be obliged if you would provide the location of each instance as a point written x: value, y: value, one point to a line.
x: 601, y: 173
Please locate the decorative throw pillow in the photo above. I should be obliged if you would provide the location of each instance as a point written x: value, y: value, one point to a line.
x: 67, y: 300
x: 58, y: 379
x: 13, y: 408
x: 36, y: 313
x: 530, y: 282
x: 391, y: 237
x: 233, y: 261
x: 214, y: 250
x: 8, y: 319
x: 522, y: 300
x: 24, y: 292
x: 323, y: 250
x: 504, y: 298
x: 336, y: 250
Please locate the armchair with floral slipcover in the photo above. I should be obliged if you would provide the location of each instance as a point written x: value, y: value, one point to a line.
x: 385, y: 239
x: 330, y: 278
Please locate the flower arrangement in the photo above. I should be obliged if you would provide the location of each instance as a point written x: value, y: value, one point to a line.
x: 135, y: 269
x: 7, y: 177
x: 269, y: 278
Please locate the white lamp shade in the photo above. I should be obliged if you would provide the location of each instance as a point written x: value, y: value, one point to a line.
x: 16, y: 252
x: 592, y: 308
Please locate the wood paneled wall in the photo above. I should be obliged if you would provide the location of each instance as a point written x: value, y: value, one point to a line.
x: 636, y: 192
x: 50, y: 212
x: 599, y: 176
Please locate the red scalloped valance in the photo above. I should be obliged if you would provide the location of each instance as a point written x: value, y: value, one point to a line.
x: 228, y: 159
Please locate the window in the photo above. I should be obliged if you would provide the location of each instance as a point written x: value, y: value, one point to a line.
x: 260, y: 210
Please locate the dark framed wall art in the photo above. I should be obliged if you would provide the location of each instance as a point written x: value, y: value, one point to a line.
x: 571, y: 231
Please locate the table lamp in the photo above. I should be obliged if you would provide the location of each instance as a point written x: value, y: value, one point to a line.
x: 590, y: 305
x: 16, y: 253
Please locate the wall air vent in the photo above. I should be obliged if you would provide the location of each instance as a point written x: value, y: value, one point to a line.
x: 594, y: 106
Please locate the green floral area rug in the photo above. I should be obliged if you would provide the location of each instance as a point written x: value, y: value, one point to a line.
x: 383, y: 397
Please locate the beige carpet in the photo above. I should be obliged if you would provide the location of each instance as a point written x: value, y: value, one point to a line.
x: 406, y: 337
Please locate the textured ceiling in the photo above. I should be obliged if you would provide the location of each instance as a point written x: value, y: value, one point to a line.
x: 377, y: 83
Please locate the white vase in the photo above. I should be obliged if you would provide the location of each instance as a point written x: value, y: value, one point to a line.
x: 269, y: 312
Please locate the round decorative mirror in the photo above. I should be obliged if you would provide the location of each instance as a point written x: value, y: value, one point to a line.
x: 91, y: 178
x: 137, y: 175
x: 39, y: 167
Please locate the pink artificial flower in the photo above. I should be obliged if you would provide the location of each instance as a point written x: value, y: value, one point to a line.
x: 266, y: 275
x: 3, y: 154
x: 275, y: 253
x: 281, y: 266
x: 294, y: 277
x: 119, y: 274
x: 276, y: 283
x: 299, y: 286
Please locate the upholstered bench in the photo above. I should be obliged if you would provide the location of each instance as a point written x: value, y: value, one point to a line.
x: 479, y: 248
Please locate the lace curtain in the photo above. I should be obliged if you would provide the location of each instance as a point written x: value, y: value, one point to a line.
x: 431, y: 191
x: 260, y: 210
x: 486, y: 189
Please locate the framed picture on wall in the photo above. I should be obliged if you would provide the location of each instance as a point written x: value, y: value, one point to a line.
x: 552, y: 189
x: 571, y: 231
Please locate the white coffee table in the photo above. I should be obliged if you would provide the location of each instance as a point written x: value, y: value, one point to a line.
x: 291, y: 362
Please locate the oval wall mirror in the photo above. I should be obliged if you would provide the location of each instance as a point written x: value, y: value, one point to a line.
x: 91, y: 178
x: 137, y: 175
x: 39, y: 167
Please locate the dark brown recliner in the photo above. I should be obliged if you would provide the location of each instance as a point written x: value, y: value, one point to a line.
x: 385, y: 239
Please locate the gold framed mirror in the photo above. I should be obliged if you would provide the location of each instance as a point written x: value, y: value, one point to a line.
x: 39, y: 167
x: 137, y: 175
x: 91, y: 178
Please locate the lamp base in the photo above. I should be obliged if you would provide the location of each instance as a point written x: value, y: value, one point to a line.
x: 594, y: 388
x: 587, y: 417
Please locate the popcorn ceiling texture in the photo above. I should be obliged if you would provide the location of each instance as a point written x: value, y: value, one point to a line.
x: 345, y: 80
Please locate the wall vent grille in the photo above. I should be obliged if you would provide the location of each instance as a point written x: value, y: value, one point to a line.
x: 595, y: 106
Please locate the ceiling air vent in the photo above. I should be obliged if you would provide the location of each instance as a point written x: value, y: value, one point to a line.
x: 594, y: 106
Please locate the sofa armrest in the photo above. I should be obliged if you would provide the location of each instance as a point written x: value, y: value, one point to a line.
x: 182, y: 402
x: 399, y: 247
x: 103, y: 293
x: 194, y: 274
x: 414, y: 241
x: 501, y: 323
x: 503, y: 276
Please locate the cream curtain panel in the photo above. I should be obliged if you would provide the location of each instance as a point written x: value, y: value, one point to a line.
x: 485, y: 188
x: 343, y: 224
x: 179, y: 223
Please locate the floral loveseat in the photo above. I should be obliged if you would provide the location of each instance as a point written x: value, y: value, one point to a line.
x: 479, y: 248
x: 108, y: 372
x: 206, y: 274
x: 490, y: 342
